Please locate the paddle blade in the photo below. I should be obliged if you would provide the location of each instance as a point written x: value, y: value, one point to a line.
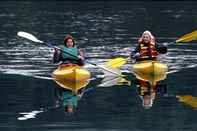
x: 188, y: 100
x: 116, y: 63
x: 110, y: 71
x: 29, y: 36
x: 188, y: 37
x: 113, y: 80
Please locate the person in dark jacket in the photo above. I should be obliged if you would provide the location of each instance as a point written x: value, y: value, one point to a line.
x: 69, y: 54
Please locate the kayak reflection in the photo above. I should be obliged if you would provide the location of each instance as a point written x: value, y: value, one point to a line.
x: 67, y: 98
x: 148, y: 92
x: 150, y: 80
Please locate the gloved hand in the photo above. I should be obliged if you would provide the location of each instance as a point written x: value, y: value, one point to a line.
x: 80, y: 57
x: 51, y: 44
x: 136, y: 55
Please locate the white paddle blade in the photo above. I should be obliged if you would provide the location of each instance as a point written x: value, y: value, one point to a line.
x: 110, y: 71
x: 109, y: 81
x: 29, y: 36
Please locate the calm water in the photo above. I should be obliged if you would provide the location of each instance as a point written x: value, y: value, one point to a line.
x: 102, y: 30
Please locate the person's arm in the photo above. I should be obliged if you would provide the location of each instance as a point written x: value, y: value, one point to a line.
x: 80, y: 57
x: 80, y: 54
x: 135, y: 53
x: 56, y: 56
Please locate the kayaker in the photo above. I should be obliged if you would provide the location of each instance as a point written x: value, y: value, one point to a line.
x: 73, y: 55
x: 67, y: 99
x: 147, y: 48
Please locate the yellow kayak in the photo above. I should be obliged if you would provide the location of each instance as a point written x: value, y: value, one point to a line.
x: 152, y: 71
x: 71, y: 77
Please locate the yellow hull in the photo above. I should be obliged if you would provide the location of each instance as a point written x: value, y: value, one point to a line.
x: 71, y: 77
x: 152, y: 71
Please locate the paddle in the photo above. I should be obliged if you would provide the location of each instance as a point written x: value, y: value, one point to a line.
x: 188, y: 100
x: 188, y: 37
x: 119, y: 61
x: 108, y: 81
x: 34, y: 39
x: 116, y: 63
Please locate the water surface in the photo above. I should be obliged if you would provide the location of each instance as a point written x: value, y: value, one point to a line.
x: 103, y: 30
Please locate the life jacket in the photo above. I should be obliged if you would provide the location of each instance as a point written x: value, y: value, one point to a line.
x: 71, y: 56
x: 148, y: 51
x: 72, y: 53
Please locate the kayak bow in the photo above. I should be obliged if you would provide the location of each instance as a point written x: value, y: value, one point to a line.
x: 152, y: 71
x: 71, y: 76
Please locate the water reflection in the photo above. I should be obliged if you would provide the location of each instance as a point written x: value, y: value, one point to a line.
x: 148, y: 92
x: 150, y: 81
x: 109, y: 81
x: 188, y: 100
x: 67, y: 98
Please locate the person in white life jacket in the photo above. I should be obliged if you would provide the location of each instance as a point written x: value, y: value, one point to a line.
x: 69, y: 54
x: 147, y: 48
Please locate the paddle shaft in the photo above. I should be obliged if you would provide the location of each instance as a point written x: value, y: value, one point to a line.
x: 86, y: 61
x: 55, y: 47
x: 78, y: 59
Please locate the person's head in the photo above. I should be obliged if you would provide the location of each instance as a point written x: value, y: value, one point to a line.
x: 69, y: 41
x: 147, y: 102
x: 147, y: 37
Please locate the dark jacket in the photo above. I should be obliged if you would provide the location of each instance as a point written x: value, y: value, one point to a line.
x: 58, y: 56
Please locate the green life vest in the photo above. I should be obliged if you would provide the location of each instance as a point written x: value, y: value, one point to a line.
x: 73, y: 51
